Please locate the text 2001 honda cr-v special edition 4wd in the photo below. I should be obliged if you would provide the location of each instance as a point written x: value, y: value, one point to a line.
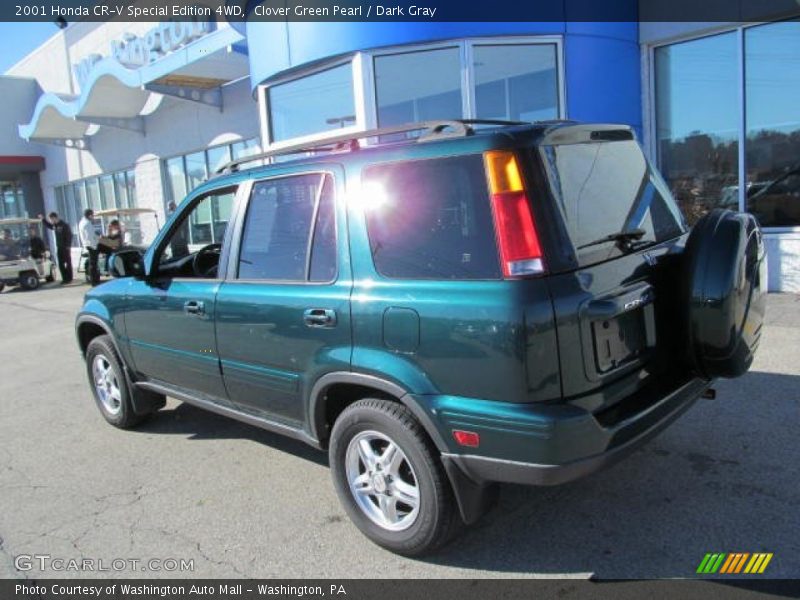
x: 476, y: 303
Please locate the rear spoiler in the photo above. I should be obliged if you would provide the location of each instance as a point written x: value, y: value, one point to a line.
x: 587, y: 133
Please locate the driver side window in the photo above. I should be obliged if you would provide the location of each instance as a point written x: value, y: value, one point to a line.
x: 193, y: 246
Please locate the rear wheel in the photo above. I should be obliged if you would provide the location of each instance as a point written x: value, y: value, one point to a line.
x: 51, y: 275
x: 29, y: 280
x: 109, y: 385
x: 390, y: 479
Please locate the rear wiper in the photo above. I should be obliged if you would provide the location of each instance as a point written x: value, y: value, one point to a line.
x: 621, y: 237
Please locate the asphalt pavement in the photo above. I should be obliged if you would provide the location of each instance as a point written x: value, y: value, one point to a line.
x: 226, y: 499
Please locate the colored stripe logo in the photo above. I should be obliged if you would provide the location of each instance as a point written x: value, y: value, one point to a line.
x: 734, y: 563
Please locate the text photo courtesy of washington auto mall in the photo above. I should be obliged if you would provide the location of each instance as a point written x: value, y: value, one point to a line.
x: 310, y: 298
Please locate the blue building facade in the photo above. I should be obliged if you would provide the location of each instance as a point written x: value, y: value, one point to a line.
x: 713, y: 104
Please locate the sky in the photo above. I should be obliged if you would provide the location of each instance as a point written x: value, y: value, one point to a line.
x: 18, y: 39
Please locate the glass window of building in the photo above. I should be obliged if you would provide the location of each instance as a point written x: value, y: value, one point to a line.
x: 218, y: 157
x: 516, y: 82
x: 772, y: 146
x: 113, y: 190
x: 244, y: 149
x: 434, y: 92
x: 176, y: 179
x: 196, y: 169
x: 93, y: 194
x: 697, y: 113
x: 183, y: 173
x: 130, y: 182
x: 320, y: 102
x: 12, y: 201
x: 107, y: 191
x: 121, y: 190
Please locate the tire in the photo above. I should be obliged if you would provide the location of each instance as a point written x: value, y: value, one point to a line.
x: 29, y: 280
x: 109, y: 385
x: 725, y: 293
x: 420, y: 526
x: 51, y: 276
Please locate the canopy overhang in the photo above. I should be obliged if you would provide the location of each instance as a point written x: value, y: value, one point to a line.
x: 114, y: 96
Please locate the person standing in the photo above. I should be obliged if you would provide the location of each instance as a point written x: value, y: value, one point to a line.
x: 63, y: 235
x: 89, y: 240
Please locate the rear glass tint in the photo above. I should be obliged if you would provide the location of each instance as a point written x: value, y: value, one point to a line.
x: 606, y: 188
x: 430, y: 219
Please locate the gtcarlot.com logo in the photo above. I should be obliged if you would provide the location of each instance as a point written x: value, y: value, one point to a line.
x: 734, y: 563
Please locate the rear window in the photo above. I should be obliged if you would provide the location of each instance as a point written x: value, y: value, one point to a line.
x: 430, y: 219
x: 606, y: 188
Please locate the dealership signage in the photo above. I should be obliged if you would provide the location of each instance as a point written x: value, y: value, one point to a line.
x: 134, y: 51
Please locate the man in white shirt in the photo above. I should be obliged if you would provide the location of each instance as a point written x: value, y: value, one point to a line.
x: 89, y: 239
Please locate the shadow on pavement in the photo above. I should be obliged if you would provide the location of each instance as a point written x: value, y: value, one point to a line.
x: 699, y: 487
x: 200, y: 424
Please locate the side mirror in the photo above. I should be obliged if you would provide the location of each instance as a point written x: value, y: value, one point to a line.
x: 126, y: 263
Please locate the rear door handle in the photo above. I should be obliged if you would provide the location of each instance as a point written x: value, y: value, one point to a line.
x: 319, y: 317
x: 194, y: 307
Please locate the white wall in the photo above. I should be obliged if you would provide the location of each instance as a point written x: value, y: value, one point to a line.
x: 19, y: 94
x: 176, y: 127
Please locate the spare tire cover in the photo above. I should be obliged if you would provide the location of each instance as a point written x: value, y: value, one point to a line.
x: 726, y: 287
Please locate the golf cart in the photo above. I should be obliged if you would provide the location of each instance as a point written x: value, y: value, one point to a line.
x: 24, y: 258
x: 130, y: 222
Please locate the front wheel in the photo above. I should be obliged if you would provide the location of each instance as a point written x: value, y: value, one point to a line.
x: 390, y: 479
x: 109, y: 385
x: 29, y: 280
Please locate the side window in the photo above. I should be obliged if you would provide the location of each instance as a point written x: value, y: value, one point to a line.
x: 430, y: 219
x: 290, y: 230
x: 204, y: 224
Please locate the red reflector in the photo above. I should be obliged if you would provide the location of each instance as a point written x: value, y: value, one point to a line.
x: 519, y: 244
x: 466, y: 438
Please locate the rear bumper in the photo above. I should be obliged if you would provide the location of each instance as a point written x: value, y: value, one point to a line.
x: 575, y: 434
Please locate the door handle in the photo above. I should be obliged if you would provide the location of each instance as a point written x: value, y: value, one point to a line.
x: 194, y: 307
x: 319, y: 317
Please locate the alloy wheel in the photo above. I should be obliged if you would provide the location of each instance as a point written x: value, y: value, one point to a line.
x: 382, y: 481
x: 106, y: 384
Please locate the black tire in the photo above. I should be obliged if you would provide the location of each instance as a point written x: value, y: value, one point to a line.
x: 124, y: 416
x: 29, y: 280
x: 437, y: 519
x: 51, y: 276
x: 725, y: 293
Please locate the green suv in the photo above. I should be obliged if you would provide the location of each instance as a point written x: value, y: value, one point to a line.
x: 442, y: 307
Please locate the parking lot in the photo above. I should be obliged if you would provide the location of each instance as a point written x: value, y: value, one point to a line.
x: 238, y: 501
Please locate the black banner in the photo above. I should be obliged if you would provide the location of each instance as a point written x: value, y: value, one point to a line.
x: 399, y: 11
x: 393, y: 589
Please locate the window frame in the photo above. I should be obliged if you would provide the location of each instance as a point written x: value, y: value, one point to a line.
x: 195, y: 197
x: 364, y: 83
x: 378, y: 274
x: 651, y: 123
x: 232, y: 271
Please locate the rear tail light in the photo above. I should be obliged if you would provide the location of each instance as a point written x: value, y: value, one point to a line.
x: 520, y: 251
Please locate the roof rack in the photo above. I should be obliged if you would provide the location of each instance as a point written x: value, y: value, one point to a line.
x: 433, y: 130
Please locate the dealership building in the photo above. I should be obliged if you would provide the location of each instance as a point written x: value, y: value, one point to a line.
x: 117, y: 115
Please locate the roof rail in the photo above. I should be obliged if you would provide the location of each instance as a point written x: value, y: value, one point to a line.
x: 432, y: 130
